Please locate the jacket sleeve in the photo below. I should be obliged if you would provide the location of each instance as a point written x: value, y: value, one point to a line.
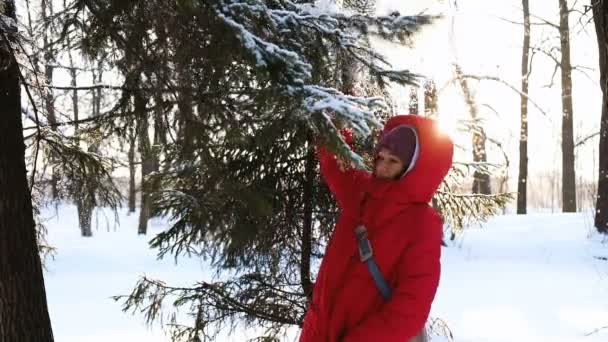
x: 405, y: 314
x: 341, y: 181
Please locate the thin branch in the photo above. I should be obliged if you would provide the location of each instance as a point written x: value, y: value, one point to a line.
x: 29, y: 136
x: 586, y: 139
x: 530, y: 64
x: 491, y: 108
x: 583, y: 67
x: 59, y: 66
x: 548, y: 54
x: 76, y: 122
x: 573, y: 8
x: 579, y: 69
x: 504, y: 153
x: 520, y: 23
x: 547, y: 22
x: 596, y: 331
x: 83, y: 88
x: 499, y: 80
x: 111, y: 87
x: 550, y: 85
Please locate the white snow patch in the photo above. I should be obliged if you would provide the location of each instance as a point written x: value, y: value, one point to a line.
x: 527, y: 278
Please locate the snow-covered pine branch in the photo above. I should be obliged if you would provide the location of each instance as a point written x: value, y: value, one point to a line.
x: 278, y: 36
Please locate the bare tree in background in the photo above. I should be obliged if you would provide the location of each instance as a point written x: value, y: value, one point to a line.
x: 481, y: 180
x: 560, y: 55
x: 568, y: 172
x: 522, y: 182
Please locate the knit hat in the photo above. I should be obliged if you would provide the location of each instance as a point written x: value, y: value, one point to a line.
x: 402, y: 141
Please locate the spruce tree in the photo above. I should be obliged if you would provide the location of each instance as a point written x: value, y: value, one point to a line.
x: 239, y: 177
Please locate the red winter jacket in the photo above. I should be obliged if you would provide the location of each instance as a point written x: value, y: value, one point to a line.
x: 405, y: 233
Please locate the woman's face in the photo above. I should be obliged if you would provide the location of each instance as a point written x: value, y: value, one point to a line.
x: 388, y: 166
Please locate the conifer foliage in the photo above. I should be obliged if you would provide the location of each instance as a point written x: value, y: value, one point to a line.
x: 246, y: 88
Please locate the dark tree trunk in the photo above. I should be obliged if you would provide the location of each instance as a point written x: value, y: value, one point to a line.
x: 522, y: 182
x: 97, y: 92
x: 309, y: 182
x: 85, y: 214
x: 348, y: 75
x: 132, y: 168
x: 187, y: 130
x: 131, y: 156
x: 24, y: 314
x: 600, y: 15
x: 568, y: 173
x: 147, y: 162
x: 481, y: 180
x: 160, y: 131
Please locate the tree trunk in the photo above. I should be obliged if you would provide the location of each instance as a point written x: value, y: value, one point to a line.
x: 49, y: 98
x: 79, y: 187
x: 522, y: 182
x: 568, y: 173
x: 309, y: 182
x: 147, y: 162
x: 481, y: 180
x: 86, y: 198
x: 430, y: 110
x: 348, y: 75
x: 414, y: 103
x: 24, y: 314
x: 600, y: 15
x: 160, y: 133
x: 187, y: 130
x: 85, y: 214
x: 98, y: 93
x: 131, y: 157
x: 430, y: 99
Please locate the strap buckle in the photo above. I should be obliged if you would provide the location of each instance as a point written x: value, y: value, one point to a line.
x: 365, y: 247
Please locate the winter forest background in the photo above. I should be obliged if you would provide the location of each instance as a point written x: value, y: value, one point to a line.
x: 169, y: 167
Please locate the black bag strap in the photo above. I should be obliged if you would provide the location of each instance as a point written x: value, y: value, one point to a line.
x: 366, y: 254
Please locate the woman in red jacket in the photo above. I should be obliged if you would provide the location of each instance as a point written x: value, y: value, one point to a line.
x: 392, y: 203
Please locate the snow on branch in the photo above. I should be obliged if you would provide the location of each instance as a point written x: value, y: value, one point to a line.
x: 282, y: 37
x: 266, y: 53
x: 280, y: 41
x: 357, y: 110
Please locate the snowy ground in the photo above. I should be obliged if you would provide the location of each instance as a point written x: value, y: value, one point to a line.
x: 533, y: 278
